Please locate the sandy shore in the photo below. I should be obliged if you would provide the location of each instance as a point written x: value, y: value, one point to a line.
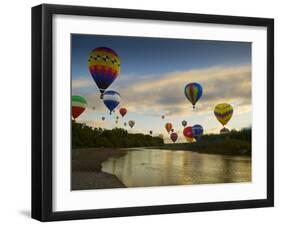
x: 86, y: 169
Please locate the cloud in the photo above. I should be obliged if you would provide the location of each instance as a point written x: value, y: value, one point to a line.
x: 163, y: 94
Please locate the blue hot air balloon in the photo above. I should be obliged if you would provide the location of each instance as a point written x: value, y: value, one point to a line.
x: 197, y: 131
x: 193, y: 92
x: 111, y: 99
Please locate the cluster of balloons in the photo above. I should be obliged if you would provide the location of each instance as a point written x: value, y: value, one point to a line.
x: 193, y: 132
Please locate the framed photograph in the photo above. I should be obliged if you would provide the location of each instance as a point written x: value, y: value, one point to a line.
x: 145, y: 112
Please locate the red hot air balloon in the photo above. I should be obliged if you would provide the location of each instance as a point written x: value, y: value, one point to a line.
x: 174, y: 137
x: 187, y: 132
x: 123, y: 111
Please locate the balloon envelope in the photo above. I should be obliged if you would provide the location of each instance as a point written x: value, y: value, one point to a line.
x: 163, y: 116
x: 184, y: 123
x: 187, y: 132
x: 193, y: 92
x: 104, y: 66
x: 111, y: 99
x: 131, y: 123
x: 223, y: 113
x: 168, y: 127
x: 123, y: 111
x: 197, y: 131
x: 103, y: 118
x: 174, y: 137
x: 189, y: 139
x: 150, y: 131
x: 125, y: 123
x: 79, y: 105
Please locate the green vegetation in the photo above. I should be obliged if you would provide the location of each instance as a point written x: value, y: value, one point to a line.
x: 233, y: 143
x: 84, y: 136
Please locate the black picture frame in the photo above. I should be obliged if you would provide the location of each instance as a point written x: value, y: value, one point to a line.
x: 42, y: 111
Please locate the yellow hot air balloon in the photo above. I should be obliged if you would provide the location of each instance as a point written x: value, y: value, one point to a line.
x: 189, y: 139
x: 223, y: 113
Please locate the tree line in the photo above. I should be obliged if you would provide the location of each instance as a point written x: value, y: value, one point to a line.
x: 84, y: 136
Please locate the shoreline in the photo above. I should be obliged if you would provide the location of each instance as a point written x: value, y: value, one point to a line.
x: 86, y: 168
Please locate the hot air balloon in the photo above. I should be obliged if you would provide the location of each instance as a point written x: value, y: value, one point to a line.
x: 223, y: 113
x: 123, y: 111
x: 117, y: 117
x: 187, y: 132
x: 188, y: 139
x: 131, y: 123
x: 103, y: 118
x: 104, y: 66
x: 172, y: 130
x: 111, y: 99
x: 168, y: 127
x: 184, y: 123
x: 163, y: 116
x: 79, y: 105
x: 224, y: 130
x: 116, y: 121
x: 150, y: 132
x: 125, y: 123
x: 174, y: 137
x: 193, y: 92
x: 197, y: 131
x: 93, y: 108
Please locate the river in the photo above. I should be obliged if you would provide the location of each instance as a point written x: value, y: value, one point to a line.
x: 154, y: 167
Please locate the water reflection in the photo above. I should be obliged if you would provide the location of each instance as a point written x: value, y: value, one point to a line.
x: 152, y: 167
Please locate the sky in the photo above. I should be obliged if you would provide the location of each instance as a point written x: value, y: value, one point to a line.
x: 153, y: 74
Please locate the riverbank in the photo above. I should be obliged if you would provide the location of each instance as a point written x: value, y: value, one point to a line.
x: 86, y: 169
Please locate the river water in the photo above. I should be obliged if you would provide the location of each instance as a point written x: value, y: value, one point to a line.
x: 154, y: 167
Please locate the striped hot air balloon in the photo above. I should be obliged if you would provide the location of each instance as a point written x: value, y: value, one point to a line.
x: 104, y: 66
x: 193, y: 92
x: 79, y: 105
x: 223, y: 113
x: 111, y: 99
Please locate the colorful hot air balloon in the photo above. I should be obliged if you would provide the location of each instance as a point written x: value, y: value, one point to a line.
x: 163, y: 116
x: 104, y: 66
x: 187, y: 132
x: 223, y: 113
x: 79, y: 105
x: 116, y: 121
x: 103, y: 118
x: 125, y: 123
x: 224, y: 130
x: 123, y: 111
x: 174, y: 137
x: 168, y: 127
x: 131, y: 123
x: 197, y: 131
x: 150, y: 132
x: 193, y: 92
x: 111, y: 99
x: 184, y: 123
